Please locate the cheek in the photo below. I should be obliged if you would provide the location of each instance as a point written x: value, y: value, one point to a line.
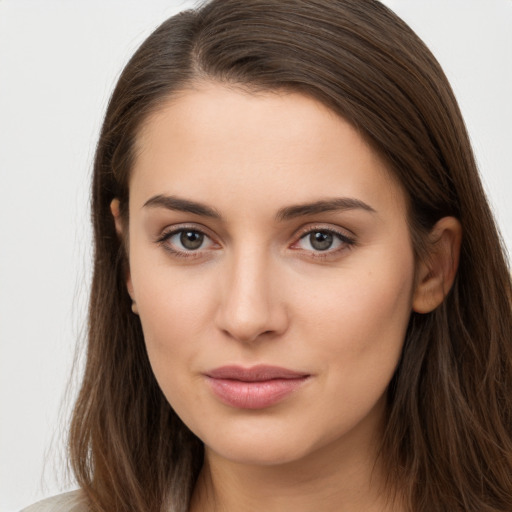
x: 172, y: 327
x: 173, y: 303
x: 168, y: 312
x: 173, y: 307
x: 359, y: 318
x: 356, y: 330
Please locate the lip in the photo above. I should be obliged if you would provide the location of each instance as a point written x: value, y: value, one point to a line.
x: 257, y: 387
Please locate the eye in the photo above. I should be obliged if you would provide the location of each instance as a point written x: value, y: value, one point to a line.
x: 186, y: 242
x: 323, y: 240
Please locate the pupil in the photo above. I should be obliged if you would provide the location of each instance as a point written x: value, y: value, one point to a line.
x: 191, y: 239
x: 321, y: 241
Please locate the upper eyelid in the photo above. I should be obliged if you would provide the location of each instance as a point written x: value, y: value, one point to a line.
x: 304, y: 230
x: 177, y: 228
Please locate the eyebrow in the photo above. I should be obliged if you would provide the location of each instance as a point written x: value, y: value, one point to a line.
x: 322, y: 206
x: 286, y: 213
x: 182, y: 205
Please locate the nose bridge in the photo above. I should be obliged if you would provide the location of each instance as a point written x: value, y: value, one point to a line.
x: 249, y: 306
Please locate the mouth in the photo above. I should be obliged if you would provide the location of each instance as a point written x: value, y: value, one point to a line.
x: 257, y: 387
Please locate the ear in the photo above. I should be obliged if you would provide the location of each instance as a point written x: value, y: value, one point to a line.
x: 115, y: 208
x: 116, y: 213
x: 436, y: 272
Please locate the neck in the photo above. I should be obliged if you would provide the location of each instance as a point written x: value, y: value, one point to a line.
x: 334, y: 478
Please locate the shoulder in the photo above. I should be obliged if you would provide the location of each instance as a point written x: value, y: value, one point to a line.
x: 68, y: 502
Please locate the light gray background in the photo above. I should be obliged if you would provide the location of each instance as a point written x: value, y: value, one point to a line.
x: 58, y: 63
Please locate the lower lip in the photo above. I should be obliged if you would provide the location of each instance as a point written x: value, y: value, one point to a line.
x: 254, y: 395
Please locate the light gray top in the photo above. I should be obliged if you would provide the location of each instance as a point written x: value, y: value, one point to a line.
x: 68, y: 502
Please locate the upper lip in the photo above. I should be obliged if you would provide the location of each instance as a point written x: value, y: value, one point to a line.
x: 257, y: 373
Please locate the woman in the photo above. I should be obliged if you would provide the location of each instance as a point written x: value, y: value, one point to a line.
x: 299, y: 300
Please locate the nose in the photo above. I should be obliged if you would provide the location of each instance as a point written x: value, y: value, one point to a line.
x: 251, y: 306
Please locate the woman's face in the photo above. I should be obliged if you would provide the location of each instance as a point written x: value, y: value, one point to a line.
x: 272, y: 269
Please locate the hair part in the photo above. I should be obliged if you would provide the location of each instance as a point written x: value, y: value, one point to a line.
x: 447, y: 445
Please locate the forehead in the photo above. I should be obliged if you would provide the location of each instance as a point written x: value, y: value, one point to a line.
x: 222, y: 142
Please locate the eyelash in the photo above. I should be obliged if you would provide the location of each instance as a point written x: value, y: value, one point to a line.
x: 347, y: 241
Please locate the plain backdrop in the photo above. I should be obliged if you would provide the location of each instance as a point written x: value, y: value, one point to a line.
x: 59, y: 60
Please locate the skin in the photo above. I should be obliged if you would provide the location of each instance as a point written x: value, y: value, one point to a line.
x: 257, y: 291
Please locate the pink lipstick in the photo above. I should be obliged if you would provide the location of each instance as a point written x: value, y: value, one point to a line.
x: 254, y: 388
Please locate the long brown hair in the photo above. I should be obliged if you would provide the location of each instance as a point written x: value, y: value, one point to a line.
x: 448, y: 441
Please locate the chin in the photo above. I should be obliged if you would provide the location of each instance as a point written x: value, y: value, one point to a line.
x: 261, y: 444
x: 259, y: 454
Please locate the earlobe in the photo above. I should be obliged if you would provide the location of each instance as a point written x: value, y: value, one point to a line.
x: 116, y: 213
x: 436, y: 272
